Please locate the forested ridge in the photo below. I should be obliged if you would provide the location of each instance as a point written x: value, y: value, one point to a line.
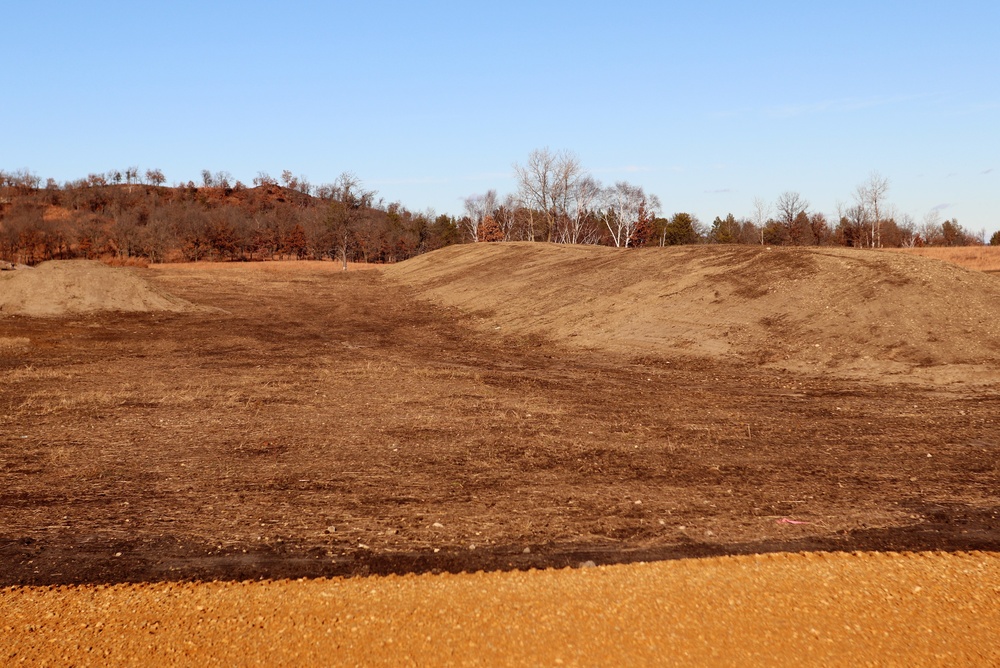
x: 130, y: 215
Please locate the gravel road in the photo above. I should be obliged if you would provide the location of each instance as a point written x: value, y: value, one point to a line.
x: 778, y: 609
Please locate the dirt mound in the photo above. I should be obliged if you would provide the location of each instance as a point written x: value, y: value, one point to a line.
x: 81, y: 286
x: 793, y: 307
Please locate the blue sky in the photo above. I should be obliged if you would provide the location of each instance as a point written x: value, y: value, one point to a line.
x: 708, y: 105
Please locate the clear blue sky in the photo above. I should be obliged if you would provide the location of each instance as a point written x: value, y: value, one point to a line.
x: 708, y: 105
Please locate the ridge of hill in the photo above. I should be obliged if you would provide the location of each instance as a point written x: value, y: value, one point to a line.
x: 826, y: 309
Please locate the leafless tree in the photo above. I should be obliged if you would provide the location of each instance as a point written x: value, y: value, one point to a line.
x: 264, y: 179
x: 578, y: 224
x: 477, y: 207
x: 544, y: 184
x: 155, y: 177
x: 871, y: 195
x: 506, y: 216
x: 350, y: 204
x: 761, y: 212
x: 789, y: 207
x: 624, y: 206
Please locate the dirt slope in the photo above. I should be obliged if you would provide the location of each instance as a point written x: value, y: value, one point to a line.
x: 795, y: 307
x: 81, y: 286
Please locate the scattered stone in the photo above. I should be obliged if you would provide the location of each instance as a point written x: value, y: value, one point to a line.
x: 588, y: 564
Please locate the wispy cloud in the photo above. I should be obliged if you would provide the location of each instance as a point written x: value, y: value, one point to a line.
x: 940, y: 207
x: 987, y: 171
x: 719, y: 191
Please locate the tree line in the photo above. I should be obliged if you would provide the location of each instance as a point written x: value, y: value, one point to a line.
x: 123, y: 215
x: 130, y: 213
x: 557, y: 200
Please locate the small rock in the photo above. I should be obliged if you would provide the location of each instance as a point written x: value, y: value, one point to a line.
x: 438, y: 525
x: 526, y: 550
x: 588, y: 564
x: 331, y: 530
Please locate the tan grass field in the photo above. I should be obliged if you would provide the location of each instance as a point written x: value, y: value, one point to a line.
x: 977, y: 258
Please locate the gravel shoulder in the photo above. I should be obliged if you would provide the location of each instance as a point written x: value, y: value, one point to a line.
x: 780, y: 609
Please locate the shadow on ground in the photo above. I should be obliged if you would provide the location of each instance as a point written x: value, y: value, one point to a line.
x: 946, y: 527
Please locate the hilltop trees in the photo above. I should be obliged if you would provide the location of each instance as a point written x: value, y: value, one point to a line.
x: 560, y: 202
x: 628, y: 211
x: 118, y: 213
x: 544, y: 183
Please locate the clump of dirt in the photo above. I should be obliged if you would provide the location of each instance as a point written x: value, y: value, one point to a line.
x: 63, y: 287
x: 830, y: 309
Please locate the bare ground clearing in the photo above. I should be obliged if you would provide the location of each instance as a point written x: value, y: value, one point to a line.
x: 331, y: 423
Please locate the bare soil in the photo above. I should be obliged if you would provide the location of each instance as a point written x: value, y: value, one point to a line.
x: 317, y: 422
x: 306, y: 422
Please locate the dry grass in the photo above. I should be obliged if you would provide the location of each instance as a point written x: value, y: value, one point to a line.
x: 14, y: 342
x: 978, y: 258
x: 115, y: 261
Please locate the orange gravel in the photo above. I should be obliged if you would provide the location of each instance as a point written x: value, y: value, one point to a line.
x: 815, y: 608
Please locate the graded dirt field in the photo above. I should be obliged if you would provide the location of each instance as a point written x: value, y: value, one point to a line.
x: 439, y: 417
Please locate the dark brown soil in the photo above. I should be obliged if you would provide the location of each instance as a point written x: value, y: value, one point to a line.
x: 332, y: 424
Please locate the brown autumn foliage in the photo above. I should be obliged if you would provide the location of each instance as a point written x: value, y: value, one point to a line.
x: 119, y: 216
x: 131, y: 223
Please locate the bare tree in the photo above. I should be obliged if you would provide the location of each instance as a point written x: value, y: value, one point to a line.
x: 347, y: 211
x: 264, y: 179
x: 544, y: 184
x: 155, y: 177
x: 579, y: 226
x: 761, y: 212
x: 223, y: 179
x: 625, y: 205
x: 477, y: 208
x: 790, y: 206
x: 506, y: 216
x: 871, y: 195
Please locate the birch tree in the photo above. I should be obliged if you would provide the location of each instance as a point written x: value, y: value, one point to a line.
x: 871, y: 195
x: 761, y: 212
x: 624, y: 206
x: 544, y: 184
x: 477, y: 208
